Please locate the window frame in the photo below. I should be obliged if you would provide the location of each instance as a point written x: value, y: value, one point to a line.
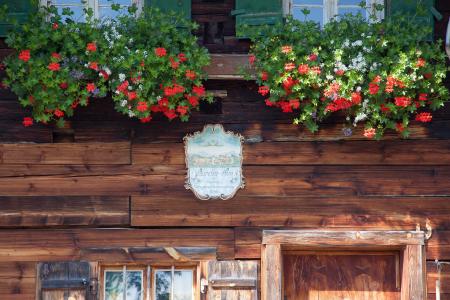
x: 148, y: 279
x: 331, y: 8
x: 94, y: 5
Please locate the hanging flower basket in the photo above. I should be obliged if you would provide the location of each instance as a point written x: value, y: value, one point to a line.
x: 149, y: 63
x: 384, y: 74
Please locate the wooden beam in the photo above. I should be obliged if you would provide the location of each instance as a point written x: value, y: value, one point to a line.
x: 66, y: 153
x: 175, y: 254
x: 413, y: 273
x: 271, y: 272
x: 319, y: 238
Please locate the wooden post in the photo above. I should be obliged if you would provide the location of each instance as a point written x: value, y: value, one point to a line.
x: 413, y: 273
x: 271, y: 272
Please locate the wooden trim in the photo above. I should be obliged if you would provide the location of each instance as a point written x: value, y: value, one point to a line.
x: 271, y: 272
x: 410, y: 242
x: 319, y: 239
x: 226, y: 66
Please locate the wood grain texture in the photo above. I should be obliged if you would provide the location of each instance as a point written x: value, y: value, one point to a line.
x: 413, y: 283
x: 271, y: 272
x: 75, y: 244
x: 399, y: 213
x: 66, y: 153
x: 323, y: 238
x: 17, y: 280
x: 313, y: 153
x: 234, y: 280
x: 64, y: 211
x: 261, y: 181
x: 432, y: 276
x: 333, y: 277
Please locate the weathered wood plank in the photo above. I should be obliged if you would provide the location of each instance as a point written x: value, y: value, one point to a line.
x: 77, y: 244
x: 261, y: 181
x: 413, y: 286
x: 402, y: 213
x: 64, y: 211
x: 313, y: 153
x: 226, y: 66
x: 432, y: 276
x: 66, y: 153
x: 271, y: 272
x: 324, y: 238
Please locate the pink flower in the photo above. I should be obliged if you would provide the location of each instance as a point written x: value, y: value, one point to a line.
x: 370, y: 132
x: 312, y: 57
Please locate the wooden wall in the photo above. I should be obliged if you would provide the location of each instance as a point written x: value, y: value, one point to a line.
x: 107, y: 187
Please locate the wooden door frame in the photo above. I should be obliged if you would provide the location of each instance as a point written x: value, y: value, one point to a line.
x: 409, y: 243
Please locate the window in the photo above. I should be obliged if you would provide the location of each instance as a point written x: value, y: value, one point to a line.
x: 148, y: 283
x: 322, y: 11
x: 101, y: 8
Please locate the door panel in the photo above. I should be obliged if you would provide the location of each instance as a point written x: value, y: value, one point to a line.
x: 341, y: 277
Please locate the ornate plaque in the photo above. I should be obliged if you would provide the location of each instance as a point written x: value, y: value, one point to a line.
x: 214, y: 163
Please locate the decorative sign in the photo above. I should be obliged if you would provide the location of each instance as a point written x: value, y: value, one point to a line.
x: 214, y: 163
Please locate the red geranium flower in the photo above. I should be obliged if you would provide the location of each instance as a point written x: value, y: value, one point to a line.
x: 132, y: 96
x: 312, y: 57
x: 90, y: 87
x: 63, y: 85
x: 58, y: 113
x: 294, y: 103
x: 190, y: 74
x: 377, y: 79
x: 25, y: 55
x: 56, y: 55
x: 423, y: 97
x: 288, y: 83
x: 424, y: 117
x: 182, y: 57
x: 93, y: 65
x: 91, y: 47
x: 428, y: 75
x: 370, y: 132
x: 399, y: 127
x: 286, y: 49
x: 54, y: 67
x: 193, y: 100
x: 269, y: 103
x: 289, y: 67
x: 384, y: 108
x: 420, y: 62
x: 285, y: 106
x: 142, y: 106
x: 146, y: 119
x: 356, y: 98
x: 339, y: 72
x: 55, y: 26
x: 373, y: 88
x: 173, y: 63
x: 104, y: 74
x: 316, y: 70
x: 182, y: 110
x: 264, y: 76
x: 263, y: 90
x: 27, y: 121
x: 31, y: 99
x: 160, y: 51
x: 199, y: 90
x: 251, y: 59
x: 170, y: 114
x: 402, y: 101
x: 303, y: 69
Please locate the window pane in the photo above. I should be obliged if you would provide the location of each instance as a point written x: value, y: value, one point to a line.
x: 121, y: 2
x: 108, y: 12
x: 183, y: 285
x: 350, y: 2
x: 316, y: 14
x: 67, y: 2
x: 352, y: 10
x: 308, y: 2
x: 114, y: 285
x: 163, y: 281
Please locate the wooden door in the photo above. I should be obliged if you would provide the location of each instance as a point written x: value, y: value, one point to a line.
x: 341, y: 276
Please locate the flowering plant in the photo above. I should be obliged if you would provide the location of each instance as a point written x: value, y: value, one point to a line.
x: 149, y: 63
x: 381, y: 72
x: 58, y: 66
x: 156, y: 66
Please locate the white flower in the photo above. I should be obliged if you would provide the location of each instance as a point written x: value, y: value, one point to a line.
x: 107, y: 70
x: 124, y: 103
x: 358, y: 89
x: 130, y: 113
x: 122, y: 77
x: 130, y: 87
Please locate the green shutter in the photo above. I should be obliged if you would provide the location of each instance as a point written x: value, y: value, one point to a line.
x: 258, y: 12
x: 422, y: 11
x: 179, y: 6
x: 17, y: 10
